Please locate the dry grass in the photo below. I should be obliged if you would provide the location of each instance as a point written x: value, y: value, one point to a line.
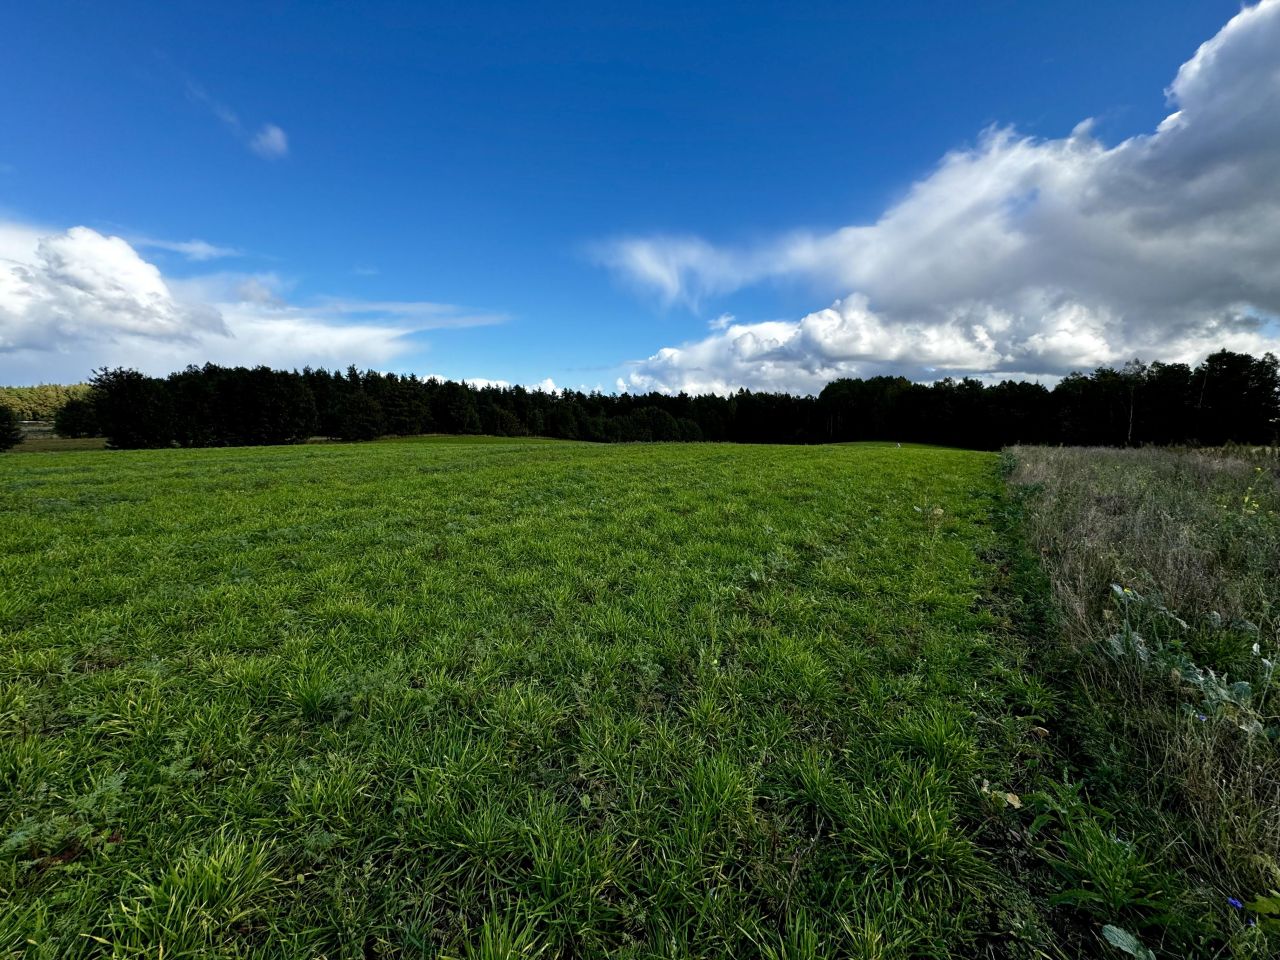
x: 53, y: 444
x: 1195, y: 538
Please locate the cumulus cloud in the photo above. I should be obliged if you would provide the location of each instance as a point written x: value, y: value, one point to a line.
x: 1021, y: 254
x: 74, y: 300
x: 19, y: 241
x: 81, y: 283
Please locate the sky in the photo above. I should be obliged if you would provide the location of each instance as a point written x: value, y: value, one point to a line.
x: 638, y: 197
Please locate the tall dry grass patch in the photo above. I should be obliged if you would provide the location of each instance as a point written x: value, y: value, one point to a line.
x: 1164, y: 566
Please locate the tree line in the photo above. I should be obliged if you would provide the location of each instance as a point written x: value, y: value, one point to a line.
x: 40, y: 402
x: 1228, y: 398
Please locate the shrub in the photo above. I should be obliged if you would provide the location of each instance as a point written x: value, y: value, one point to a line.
x: 10, y: 432
x: 78, y: 417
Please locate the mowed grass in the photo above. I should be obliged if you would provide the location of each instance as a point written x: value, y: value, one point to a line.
x: 465, y: 697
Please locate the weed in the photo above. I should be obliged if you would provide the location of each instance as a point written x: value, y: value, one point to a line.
x: 1164, y: 569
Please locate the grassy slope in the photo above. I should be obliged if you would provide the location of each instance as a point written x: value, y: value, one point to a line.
x: 447, y: 695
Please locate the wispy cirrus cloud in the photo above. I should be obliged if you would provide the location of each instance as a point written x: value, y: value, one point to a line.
x: 1020, y: 254
x: 268, y: 140
x: 424, y: 315
x: 197, y: 251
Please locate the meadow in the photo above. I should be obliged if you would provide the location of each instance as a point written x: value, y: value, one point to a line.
x: 467, y: 697
x: 1164, y: 571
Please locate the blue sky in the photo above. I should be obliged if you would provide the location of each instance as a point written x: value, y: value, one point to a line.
x: 533, y: 191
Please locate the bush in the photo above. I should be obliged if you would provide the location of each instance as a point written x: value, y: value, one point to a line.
x: 78, y: 417
x: 10, y: 432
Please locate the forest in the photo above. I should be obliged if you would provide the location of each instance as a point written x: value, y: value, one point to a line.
x: 40, y: 402
x: 1228, y: 398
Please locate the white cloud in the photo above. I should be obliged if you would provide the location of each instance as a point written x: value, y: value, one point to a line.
x: 423, y: 314
x: 19, y: 241
x: 681, y: 269
x: 74, y: 300
x: 81, y: 283
x: 1020, y: 254
x: 270, y: 142
x: 197, y: 251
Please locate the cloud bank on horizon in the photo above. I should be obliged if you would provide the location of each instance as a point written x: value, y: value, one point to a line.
x: 75, y: 300
x: 1020, y: 257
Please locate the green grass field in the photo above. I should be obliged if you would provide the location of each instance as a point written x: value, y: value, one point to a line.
x: 466, y: 697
